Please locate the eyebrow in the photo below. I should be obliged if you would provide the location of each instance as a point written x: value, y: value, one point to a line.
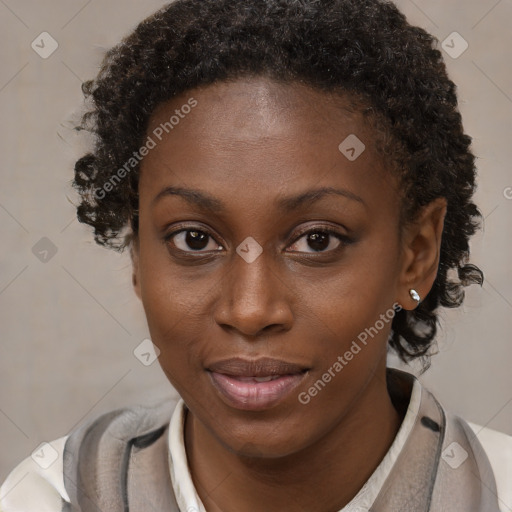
x: 208, y: 202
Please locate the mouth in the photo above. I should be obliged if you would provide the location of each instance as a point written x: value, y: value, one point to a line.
x: 255, y: 384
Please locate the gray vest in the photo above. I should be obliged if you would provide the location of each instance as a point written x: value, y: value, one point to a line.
x: 119, y: 462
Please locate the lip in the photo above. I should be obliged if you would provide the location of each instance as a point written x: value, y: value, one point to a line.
x: 234, y: 379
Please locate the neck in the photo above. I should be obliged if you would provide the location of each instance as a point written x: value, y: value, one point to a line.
x: 339, y: 463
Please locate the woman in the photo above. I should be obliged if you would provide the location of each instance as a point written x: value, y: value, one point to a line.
x: 294, y: 185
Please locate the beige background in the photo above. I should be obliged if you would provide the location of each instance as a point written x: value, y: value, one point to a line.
x: 69, y: 326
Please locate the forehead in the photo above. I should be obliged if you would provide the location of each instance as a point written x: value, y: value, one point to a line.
x: 255, y: 109
x: 260, y: 137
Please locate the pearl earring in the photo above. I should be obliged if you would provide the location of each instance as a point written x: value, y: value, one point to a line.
x: 415, y: 295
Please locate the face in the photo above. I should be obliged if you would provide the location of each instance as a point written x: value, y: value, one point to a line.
x: 265, y: 252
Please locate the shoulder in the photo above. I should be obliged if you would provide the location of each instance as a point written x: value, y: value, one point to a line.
x: 38, y: 482
x: 498, y: 447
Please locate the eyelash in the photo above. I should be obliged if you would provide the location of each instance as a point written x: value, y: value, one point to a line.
x: 318, y: 229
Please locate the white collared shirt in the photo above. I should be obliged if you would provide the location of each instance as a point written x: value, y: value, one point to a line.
x: 30, y: 488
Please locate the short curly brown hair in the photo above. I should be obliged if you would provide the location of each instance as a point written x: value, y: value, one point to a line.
x: 361, y: 48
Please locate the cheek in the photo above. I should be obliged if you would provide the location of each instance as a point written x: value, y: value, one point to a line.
x: 351, y: 312
x: 349, y: 297
x: 175, y: 308
x: 350, y: 350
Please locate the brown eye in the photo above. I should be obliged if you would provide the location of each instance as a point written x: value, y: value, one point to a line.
x: 192, y: 240
x: 318, y: 240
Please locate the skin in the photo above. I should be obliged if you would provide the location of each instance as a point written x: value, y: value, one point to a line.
x: 249, y: 143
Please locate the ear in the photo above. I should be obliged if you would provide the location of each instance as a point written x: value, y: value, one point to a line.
x: 421, y: 247
x: 134, y: 253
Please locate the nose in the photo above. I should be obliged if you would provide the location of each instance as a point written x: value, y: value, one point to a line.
x: 254, y: 298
